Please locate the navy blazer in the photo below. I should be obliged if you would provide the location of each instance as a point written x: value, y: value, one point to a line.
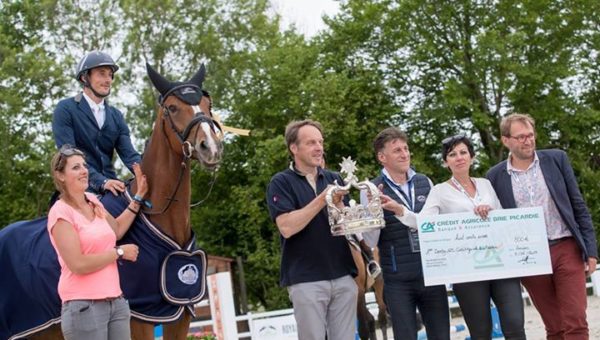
x: 562, y: 184
x: 74, y: 123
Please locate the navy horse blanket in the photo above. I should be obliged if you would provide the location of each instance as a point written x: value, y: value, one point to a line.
x: 166, y: 280
x: 29, y: 299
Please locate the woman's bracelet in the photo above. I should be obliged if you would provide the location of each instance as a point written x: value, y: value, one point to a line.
x: 138, y: 199
x: 133, y: 211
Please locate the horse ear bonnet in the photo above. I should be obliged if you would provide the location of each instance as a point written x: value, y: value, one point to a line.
x: 189, y: 92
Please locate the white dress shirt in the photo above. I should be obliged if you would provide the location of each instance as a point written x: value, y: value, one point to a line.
x: 97, y: 110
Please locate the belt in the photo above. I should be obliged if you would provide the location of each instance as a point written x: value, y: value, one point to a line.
x: 558, y: 240
x: 109, y: 299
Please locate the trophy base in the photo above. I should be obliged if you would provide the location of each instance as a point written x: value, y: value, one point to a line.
x: 353, y: 227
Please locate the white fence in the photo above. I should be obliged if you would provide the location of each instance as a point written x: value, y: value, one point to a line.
x: 254, y: 318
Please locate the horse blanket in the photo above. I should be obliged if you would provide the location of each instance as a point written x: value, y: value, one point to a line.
x: 166, y: 279
x: 29, y: 299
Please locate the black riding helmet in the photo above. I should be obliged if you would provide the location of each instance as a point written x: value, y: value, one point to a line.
x: 92, y: 60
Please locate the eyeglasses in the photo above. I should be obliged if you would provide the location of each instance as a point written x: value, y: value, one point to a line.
x: 66, y: 151
x: 450, y: 140
x: 523, y: 138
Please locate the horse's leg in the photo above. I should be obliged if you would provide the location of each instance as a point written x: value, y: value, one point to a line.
x: 179, y: 329
x: 362, y: 314
x: 142, y: 330
x: 52, y: 333
x: 382, y: 317
x: 361, y: 281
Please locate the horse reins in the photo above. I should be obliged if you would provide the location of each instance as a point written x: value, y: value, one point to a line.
x: 186, y: 147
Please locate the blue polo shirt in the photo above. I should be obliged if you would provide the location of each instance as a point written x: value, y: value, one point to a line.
x: 313, y: 254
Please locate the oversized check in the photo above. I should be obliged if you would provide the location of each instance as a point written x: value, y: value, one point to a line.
x: 464, y: 247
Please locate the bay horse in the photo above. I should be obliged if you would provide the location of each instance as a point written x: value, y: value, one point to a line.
x: 183, y: 130
x: 365, y: 281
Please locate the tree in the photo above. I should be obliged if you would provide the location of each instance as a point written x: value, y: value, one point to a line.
x: 460, y: 66
x: 240, y: 45
x: 433, y: 68
x: 30, y: 76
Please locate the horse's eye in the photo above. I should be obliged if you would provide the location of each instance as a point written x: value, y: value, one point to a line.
x: 172, y: 108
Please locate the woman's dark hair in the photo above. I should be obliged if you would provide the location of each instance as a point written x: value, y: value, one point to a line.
x: 448, y: 144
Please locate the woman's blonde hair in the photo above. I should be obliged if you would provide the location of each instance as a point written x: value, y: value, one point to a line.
x: 59, y: 161
x: 58, y: 164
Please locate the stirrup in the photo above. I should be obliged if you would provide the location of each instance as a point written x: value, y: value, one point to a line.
x: 373, y: 269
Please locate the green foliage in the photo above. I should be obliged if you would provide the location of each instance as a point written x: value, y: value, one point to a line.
x: 432, y: 68
x: 30, y: 76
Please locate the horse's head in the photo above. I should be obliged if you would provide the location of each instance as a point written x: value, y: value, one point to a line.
x: 185, y: 111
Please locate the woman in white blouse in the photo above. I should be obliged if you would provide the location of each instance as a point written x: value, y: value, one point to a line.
x: 463, y: 193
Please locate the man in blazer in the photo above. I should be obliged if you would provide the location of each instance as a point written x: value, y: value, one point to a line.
x: 89, y: 123
x: 545, y: 178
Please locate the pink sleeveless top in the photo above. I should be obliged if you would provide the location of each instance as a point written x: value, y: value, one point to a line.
x: 94, y: 237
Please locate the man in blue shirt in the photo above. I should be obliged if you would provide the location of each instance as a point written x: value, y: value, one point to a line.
x: 90, y: 124
x: 316, y: 267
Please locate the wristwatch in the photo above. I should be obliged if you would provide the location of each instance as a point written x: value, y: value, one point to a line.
x: 120, y: 252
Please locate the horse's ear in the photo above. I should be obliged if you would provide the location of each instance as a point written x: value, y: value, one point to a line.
x: 159, y: 82
x: 198, y: 78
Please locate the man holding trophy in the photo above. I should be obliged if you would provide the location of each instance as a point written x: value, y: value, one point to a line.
x: 316, y: 267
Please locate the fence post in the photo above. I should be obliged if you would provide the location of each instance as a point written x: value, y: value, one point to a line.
x: 596, y: 283
x: 222, y: 309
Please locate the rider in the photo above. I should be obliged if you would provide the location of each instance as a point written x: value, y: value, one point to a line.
x: 89, y: 123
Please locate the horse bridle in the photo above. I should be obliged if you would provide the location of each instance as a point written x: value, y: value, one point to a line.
x: 200, y: 116
x: 186, y: 147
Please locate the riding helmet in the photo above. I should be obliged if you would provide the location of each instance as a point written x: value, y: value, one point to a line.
x: 92, y: 60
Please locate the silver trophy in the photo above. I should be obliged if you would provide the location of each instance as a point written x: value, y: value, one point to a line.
x: 354, y: 218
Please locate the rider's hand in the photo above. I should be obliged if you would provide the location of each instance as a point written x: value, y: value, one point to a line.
x: 115, y: 186
x: 140, y: 180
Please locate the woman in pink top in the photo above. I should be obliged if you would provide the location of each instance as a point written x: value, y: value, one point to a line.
x: 84, y: 236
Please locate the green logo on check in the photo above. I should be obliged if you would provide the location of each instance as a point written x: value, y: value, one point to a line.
x: 427, y: 227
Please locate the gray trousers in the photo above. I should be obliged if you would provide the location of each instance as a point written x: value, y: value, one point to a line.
x: 96, y: 319
x: 325, y: 307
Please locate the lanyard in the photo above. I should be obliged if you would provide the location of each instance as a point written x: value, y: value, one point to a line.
x: 531, y: 185
x: 406, y: 199
x: 476, y: 199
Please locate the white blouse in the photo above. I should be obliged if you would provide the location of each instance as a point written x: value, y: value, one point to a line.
x: 444, y: 198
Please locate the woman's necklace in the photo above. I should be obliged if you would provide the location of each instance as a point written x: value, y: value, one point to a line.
x: 475, y: 199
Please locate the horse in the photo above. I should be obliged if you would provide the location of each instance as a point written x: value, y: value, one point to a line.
x: 183, y: 130
x: 367, y: 278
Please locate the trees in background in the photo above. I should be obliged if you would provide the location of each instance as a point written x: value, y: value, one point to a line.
x: 433, y: 68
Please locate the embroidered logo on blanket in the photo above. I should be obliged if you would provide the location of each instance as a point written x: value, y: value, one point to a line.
x: 188, y: 274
